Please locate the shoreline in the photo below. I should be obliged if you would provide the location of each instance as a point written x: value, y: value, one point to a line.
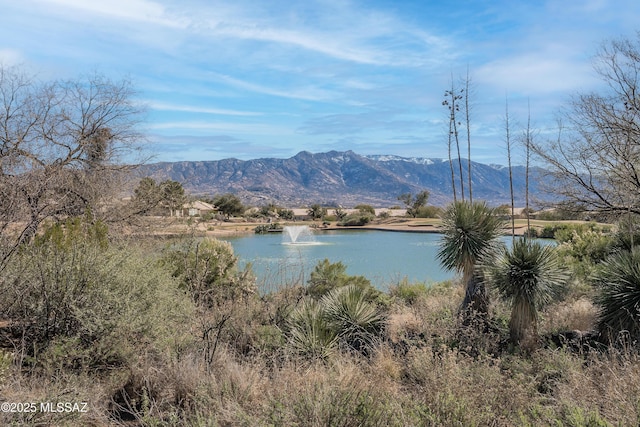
x: 248, y: 228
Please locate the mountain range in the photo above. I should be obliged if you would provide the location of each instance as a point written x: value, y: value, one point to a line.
x: 345, y: 179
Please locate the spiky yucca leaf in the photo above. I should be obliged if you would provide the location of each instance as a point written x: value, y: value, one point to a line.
x: 310, y: 333
x: 470, y: 232
x: 356, y: 321
x: 470, y: 235
x: 529, y: 275
x: 619, y: 295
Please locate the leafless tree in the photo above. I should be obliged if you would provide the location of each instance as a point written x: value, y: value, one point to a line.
x: 62, y: 144
x: 596, y: 157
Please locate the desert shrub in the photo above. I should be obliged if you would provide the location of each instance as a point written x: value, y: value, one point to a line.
x: 365, y: 209
x: 429, y: 212
x: 207, y: 269
x: 286, y: 214
x: 627, y: 233
x: 265, y: 228
x: 225, y: 297
x: 74, y: 302
x: 528, y: 275
x: 261, y: 229
x: 356, y: 219
x: 327, y: 276
x: 583, y: 247
x: 560, y: 214
x: 409, y: 292
x: 548, y: 232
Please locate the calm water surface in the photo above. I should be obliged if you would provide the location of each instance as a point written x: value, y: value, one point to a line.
x: 381, y: 256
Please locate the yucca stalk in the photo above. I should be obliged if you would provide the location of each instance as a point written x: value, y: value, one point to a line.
x: 528, y: 275
x: 618, y: 296
x: 470, y: 234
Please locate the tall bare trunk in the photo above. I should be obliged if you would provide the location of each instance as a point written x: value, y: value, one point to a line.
x: 452, y: 101
x: 508, y: 140
x: 526, y: 172
x: 468, y: 123
x: 453, y: 178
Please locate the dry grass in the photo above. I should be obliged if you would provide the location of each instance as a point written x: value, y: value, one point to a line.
x: 578, y: 315
x: 424, y: 372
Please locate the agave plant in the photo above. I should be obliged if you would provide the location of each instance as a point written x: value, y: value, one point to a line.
x: 356, y: 321
x: 618, y: 281
x: 470, y: 234
x: 528, y: 275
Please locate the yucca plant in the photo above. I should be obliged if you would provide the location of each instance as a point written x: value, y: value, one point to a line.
x: 470, y: 234
x: 342, y: 317
x: 356, y: 321
x: 528, y: 275
x: 310, y: 334
x: 618, y: 282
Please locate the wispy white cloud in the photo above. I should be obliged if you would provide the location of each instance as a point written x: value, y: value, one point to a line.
x: 9, y: 57
x: 211, y: 126
x: 198, y: 109
x: 133, y: 10
x: 307, y: 93
x: 535, y: 73
x: 310, y: 74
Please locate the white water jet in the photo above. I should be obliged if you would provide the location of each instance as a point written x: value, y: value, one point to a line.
x: 298, y: 235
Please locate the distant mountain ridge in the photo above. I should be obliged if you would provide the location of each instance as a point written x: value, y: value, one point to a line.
x: 342, y: 178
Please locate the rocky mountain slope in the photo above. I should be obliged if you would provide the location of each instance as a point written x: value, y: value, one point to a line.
x: 341, y: 178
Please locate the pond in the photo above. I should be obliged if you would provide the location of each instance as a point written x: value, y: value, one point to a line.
x: 381, y: 256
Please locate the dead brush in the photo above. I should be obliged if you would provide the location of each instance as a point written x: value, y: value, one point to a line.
x: 578, y: 314
x: 609, y: 384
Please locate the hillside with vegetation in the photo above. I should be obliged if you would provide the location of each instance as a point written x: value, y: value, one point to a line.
x: 112, y: 328
x: 344, y: 178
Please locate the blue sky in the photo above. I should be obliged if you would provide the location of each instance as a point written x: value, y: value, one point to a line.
x: 251, y: 79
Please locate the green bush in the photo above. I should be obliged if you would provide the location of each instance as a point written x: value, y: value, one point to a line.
x: 357, y: 219
x: 77, y: 303
x: 365, y: 209
x: 327, y: 276
x: 384, y: 215
x: 428, y: 212
x: 207, y: 269
x: 627, y: 234
x: 286, y: 214
x: 409, y: 292
x: 265, y: 228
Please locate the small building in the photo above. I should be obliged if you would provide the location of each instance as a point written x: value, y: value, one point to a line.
x: 197, y: 208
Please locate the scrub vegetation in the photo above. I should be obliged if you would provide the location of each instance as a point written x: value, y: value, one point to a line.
x: 171, y: 332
